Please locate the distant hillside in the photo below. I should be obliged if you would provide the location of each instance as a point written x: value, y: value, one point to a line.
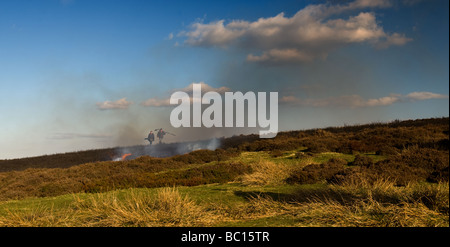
x: 66, y: 160
x: 62, y: 160
x: 375, y: 137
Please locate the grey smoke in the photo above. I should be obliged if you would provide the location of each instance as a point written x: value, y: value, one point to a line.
x: 166, y: 149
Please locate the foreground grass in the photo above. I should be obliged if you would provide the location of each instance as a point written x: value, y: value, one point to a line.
x: 419, y: 205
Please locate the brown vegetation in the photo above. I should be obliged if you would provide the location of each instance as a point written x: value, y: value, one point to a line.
x: 103, y: 176
x: 316, y: 172
x: 413, y: 164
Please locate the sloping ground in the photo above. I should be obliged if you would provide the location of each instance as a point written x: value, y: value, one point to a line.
x: 373, y: 175
x: 383, y: 138
x: 232, y: 204
x: 198, y: 167
x: 70, y: 159
x: 251, y: 189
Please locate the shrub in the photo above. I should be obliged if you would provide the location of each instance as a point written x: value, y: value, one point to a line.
x: 316, y: 147
x: 314, y: 173
x: 361, y: 160
x: 414, y: 164
x: 203, y: 156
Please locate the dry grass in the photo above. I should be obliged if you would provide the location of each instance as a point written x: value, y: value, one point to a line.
x: 380, y: 204
x: 357, y: 205
x: 167, y: 208
x: 368, y: 213
x: 267, y: 173
x: 136, y: 209
x: 37, y: 217
x: 433, y: 196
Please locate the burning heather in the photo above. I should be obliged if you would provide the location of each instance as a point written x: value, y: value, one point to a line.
x: 164, y: 150
x: 125, y: 156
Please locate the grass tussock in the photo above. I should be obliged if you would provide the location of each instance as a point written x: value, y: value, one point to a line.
x: 36, y: 217
x: 358, y: 204
x: 382, y: 204
x: 266, y: 173
x: 135, y: 209
x: 167, y: 208
x: 366, y: 213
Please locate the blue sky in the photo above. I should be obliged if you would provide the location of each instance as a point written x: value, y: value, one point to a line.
x: 76, y: 74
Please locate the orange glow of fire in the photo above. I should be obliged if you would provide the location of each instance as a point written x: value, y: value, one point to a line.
x: 125, y: 155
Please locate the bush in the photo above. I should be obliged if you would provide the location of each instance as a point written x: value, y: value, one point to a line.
x: 361, y: 160
x: 314, y: 173
x: 203, y: 156
x: 414, y: 164
x: 387, y: 150
x: 316, y: 147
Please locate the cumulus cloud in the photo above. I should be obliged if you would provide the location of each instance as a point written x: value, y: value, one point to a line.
x: 355, y: 101
x: 111, y: 105
x: 394, y: 39
x: 160, y: 102
x: 383, y: 101
x: 425, y: 96
x: 311, y: 33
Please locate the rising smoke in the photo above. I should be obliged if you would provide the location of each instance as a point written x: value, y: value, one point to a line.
x: 164, y: 149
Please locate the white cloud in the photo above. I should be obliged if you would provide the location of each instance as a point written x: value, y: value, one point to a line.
x: 311, y: 33
x: 355, y: 101
x: 425, y: 95
x: 383, y: 101
x: 394, y: 39
x: 213, y: 34
x: 110, y: 105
